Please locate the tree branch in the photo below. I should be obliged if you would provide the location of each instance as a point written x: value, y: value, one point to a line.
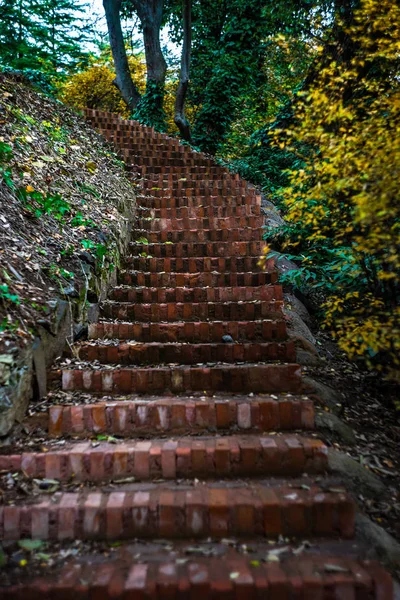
x: 123, y: 80
x: 180, y: 119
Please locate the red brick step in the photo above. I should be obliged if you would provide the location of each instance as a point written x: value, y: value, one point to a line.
x: 233, y: 234
x: 206, y: 331
x: 200, y: 249
x: 217, y: 510
x: 190, y: 280
x: 166, y: 200
x: 305, y: 577
x: 208, y: 264
x: 192, y: 311
x: 200, y: 212
x: 180, y: 414
x: 226, y: 223
x: 180, y: 379
x: 148, y: 295
x: 135, y: 353
x: 186, y: 457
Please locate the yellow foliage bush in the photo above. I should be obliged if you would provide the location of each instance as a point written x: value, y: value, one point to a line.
x: 343, y: 206
x: 94, y: 88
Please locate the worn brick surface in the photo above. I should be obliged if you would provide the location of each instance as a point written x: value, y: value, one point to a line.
x: 160, y: 368
x: 171, y: 414
x: 180, y: 379
x: 304, y: 577
x: 169, y: 512
x: 204, y: 331
x: 153, y: 353
x: 229, y: 456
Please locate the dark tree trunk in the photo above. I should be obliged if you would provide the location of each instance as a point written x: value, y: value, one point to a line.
x: 150, y: 13
x: 180, y: 119
x: 123, y: 80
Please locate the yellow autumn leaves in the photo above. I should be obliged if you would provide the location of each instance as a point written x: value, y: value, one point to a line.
x: 346, y: 195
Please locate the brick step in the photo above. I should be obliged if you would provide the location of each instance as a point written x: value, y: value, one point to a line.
x: 193, y: 280
x: 201, y: 212
x: 197, y: 182
x: 159, y: 150
x: 196, y: 192
x: 192, y: 311
x: 243, y: 234
x: 164, y: 151
x: 206, y: 331
x: 200, y: 264
x: 163, y: 159
x: 304, y: 577
x: 156, y: 162
x: 207, y: 223
x: 149, y: 295
x: 248, y: 377
x: 134, y: 138
x: 149, y: 416
x: 140, y: 133
x: 199, y: 250
x: 206, y: 199
x: 215, y: 511
x: 182, y: 458
x: 180, y: 170
x: 150, y: 147
x: 153, y: 353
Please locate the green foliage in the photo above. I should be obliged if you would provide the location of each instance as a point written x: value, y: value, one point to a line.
x: 39, y: 204
x: 98, y: 250
x: 342, y: 209
x: 5, y: 295
x: 45, y: 36
x: 37, y: 78
x: 150, y: 110
x: 79, y: 221
x: 56, y: 272
x: 5, y: 157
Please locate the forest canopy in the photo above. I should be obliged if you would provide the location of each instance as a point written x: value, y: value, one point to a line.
x: 301, y: 98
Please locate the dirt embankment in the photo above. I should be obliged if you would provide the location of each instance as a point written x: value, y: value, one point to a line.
x: 65, y: 212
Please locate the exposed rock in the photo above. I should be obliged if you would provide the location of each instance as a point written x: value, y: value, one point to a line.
x: 326, y: 420
x: 293, y: 303
x: 357, y: 478
x: 308, y: 359
x: 283, y: 264
x: 327, y: 395
x: 297, y: 327
x: 15, y: 387
x: 384, y: 545
x: 70, y: 291
x: 273, y: 218
x: 81, y: 332
x: 39, y: 363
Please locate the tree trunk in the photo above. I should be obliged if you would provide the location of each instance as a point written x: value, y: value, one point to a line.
x: 180, y: 119
x: 150, y: 13
x: 123, y: 80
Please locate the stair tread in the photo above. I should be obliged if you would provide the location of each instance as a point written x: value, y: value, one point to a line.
x: 188, y: 448
x: 187, y: 509
x: 203, y: 570
x: 172, y: 458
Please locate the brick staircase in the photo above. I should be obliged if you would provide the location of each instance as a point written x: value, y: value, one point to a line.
x: 199, y: 437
